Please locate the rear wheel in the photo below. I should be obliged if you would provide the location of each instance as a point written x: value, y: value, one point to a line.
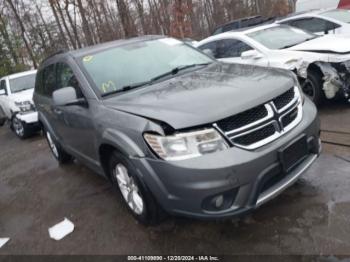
x: 138, y: 199
x: 61, y: 156
x: 313, y: 87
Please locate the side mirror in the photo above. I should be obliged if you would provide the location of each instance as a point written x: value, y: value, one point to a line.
x: 208, y: 52
x: 2, y: 92
x: 67, y: 96
x: 251, y: 54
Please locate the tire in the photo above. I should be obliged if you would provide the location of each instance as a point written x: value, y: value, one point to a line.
x: 20, y: 128
x: 313, y: 88
x: 56, y: 149
x: 2, y: 117
x: 135, y: 194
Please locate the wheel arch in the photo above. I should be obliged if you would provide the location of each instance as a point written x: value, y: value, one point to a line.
x: 113, y: 140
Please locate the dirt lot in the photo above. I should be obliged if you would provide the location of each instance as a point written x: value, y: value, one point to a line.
x: 312, y: 217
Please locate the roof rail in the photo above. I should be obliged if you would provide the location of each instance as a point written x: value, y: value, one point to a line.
x: 61, y: 51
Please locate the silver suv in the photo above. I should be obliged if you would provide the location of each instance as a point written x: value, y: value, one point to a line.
x: 175, y: 131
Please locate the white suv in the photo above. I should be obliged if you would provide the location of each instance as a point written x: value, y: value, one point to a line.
x: 16, y: 103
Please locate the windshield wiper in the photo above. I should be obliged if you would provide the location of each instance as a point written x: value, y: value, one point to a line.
x: 127, y: 88
x: 176, y: 70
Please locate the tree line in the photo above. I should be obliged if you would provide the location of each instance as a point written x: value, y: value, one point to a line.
x: 30, y: 30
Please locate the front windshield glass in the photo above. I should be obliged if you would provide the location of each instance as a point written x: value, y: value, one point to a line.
x: 127, y: 65
x: 341, y: 15
x: 22, y: 83
x: 281, y: 37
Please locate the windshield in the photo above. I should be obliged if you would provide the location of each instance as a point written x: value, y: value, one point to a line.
x: 22, y: 83
x: 128, y: 65
x: 281, y: 37
x: 339, y: 14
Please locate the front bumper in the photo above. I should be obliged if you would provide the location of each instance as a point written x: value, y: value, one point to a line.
x: 28, y: 118
x: 185, y: 187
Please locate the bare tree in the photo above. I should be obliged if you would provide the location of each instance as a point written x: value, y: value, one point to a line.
x: 23, y: 30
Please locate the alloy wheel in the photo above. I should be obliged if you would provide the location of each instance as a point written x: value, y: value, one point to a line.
x: 18, y: 127
x: 129, y: 189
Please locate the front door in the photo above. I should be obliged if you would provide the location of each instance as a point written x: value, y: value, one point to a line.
x: 74, y: 122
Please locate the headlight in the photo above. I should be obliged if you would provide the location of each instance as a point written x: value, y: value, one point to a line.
x: 24, y: 106
x: 186, y: 145
x: 297, y: 84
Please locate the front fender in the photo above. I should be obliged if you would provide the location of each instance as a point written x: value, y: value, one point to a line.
x: 122, y: 142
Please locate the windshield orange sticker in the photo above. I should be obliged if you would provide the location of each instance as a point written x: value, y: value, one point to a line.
x: 88, y: 58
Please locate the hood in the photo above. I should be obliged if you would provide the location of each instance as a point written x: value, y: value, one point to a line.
x: 204, y: 96
x: 26, y: 95
x: 327, y: 44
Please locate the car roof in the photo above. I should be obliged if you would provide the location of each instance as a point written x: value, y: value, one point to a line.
x: 17, y: 75
x: 100, y: 47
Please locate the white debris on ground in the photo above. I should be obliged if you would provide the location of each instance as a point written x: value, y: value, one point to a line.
x: 61, y: 229
x: 3, y: 241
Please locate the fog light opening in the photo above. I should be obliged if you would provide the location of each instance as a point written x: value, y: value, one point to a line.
x: 218, y: 201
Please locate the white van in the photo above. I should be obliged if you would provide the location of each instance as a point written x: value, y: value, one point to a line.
x: 306, y: 5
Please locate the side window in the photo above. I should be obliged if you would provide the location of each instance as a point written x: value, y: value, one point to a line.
x: 66, y: 78
x: 209, y: 46
x: 39, y: 88
x: 314, y: 25
x: 48, y: 80
x: 230, y: 48
x: 3, y: 86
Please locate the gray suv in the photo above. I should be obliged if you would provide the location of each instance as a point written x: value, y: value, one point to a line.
x: 175, y: 131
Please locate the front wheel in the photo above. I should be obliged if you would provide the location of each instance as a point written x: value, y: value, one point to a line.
x: 19, y: 127
x: 138, y: 199
x: 313, y: 88
x: 61, y: 156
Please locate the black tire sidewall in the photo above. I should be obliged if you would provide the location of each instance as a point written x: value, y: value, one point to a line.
x: 316, y: 80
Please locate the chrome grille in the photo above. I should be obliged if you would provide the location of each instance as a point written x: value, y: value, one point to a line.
x: 284, y: 99
x: 265, y: 123
x: 243, y: 119
x: 256, y: 135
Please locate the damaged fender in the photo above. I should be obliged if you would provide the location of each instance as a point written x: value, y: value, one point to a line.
x: 336, y: 76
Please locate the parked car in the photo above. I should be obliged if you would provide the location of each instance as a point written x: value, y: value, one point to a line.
x: 16, y: 103
x: 175, y: 131
x: 321, y: 22
x: 307, y: 5
x: 322, y: 63
x: 242, y: 23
